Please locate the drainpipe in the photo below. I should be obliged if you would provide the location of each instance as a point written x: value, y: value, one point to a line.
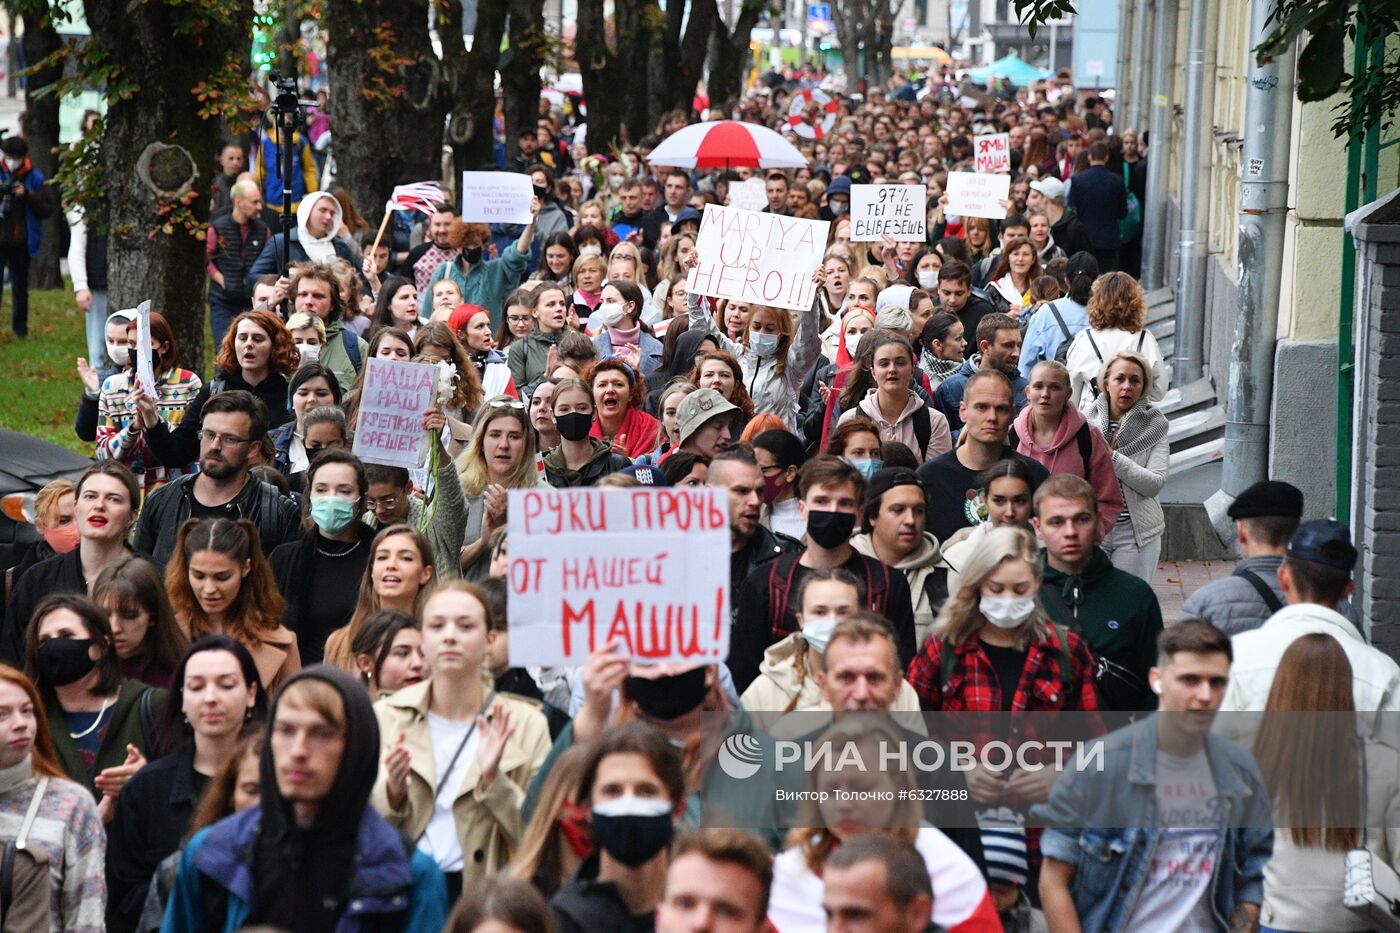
x: 1262, y: 222
x: 1140, y: 57
x: 1193, y: 240
x: 1154, y: 234
x: 1123, y: 90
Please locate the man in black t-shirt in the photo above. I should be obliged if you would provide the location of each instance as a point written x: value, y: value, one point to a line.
x: 951, y: 480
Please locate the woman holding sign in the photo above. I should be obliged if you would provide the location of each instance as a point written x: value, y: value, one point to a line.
x: 458, y: 756
x: 774, y: 359
x: 499, y: 457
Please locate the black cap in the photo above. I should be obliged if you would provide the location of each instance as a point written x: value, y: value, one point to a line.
x: 1323, y: 542
x: 885, y: 480
x: 1268, y: 499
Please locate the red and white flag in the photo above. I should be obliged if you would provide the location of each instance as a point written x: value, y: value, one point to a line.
x: 422, y: 196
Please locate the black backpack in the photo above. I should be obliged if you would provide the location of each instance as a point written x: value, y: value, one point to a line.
x: 782, y: 571
x: 1062, y: 353
x: 1094, y: 381
x: 923, y: 430
x: 1082, y: 439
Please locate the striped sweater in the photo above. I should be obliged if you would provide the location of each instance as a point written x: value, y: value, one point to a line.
x: 67, y: 834
x: 119, y: 435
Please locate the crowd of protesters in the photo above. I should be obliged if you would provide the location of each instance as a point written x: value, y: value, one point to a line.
x: 251, y: 680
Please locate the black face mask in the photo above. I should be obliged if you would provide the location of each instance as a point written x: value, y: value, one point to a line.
x: 63, y: 661
x: 632, y: 840
x: 574, y: 426
x: 668, y: 697
x: 541, y: 193
x: 472, y: 254
x: 830, y: 529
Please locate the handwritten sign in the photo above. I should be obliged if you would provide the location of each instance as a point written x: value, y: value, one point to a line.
x: 748, y: 195
x: 992, y: 152
x: 389, y: 428
x: 144, y: 372
x: 973, y: 195
x: 496, y: 197
x: 758, y: 258
x: 646, y: 568
x: 897, y: 210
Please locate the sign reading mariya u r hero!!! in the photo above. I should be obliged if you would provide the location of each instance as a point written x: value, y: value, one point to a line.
x: 758, y: 258
x: 645, y: 568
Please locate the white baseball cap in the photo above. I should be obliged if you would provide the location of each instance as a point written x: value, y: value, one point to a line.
x: 1051, y: 187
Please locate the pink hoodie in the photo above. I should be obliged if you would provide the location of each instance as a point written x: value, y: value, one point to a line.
x: 1062, y: 456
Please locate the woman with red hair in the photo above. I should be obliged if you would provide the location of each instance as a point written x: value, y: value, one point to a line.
x: 472, y: 325
x: 617, y: 401
x: 258, y: 355
x: 57, y: 878
x: 126, y: 409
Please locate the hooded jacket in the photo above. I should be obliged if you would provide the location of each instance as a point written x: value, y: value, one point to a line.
x: 1117, y: 615
x: 583, y: 904
x: 1375, y: 677
x: 305, y: 248
x: 527, y: 356
x: 949, y: 394
x: 1070, y: 234
x: 348, y: 871
x: 940, y: 438
x: 927, y: 573
x: 1063, y: 456
x: 488, y: 819
x: 600, y: 463
x: 771, y: 392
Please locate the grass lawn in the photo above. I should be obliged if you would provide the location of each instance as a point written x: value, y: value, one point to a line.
x: 39, y: 386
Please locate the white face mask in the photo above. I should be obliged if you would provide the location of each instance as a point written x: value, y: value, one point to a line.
x: 1007, y: 611
x: 817, y: 632
x: 592, y: 249
x: 12, y: 163
x: 763, y: 344
x: 310, y: 352
x: 610, y: 313
x: 928, y: 280
x: 838, y: 207
x: 119, y: 353
x: 853, y: 343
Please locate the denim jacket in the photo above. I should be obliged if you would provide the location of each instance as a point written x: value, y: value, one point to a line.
x: 1103, y: 823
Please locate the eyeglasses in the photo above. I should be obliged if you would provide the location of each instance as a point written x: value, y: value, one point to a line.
x: 518, y: 319
x: 771, y: 469
x: 389, y: 502
x: 224, y: 440
x: 506, y: 402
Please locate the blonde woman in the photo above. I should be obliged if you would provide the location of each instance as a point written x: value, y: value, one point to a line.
x: 457, y: 756
x: 1136, y: 432
x: 1117, y: 321
x: 500, y: 456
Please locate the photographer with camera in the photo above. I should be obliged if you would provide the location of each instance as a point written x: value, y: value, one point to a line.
x: 24, y: 203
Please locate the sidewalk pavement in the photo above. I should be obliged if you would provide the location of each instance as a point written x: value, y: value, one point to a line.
x: 1177, y: 579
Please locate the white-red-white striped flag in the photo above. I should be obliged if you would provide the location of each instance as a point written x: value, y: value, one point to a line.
x: 422, y: 196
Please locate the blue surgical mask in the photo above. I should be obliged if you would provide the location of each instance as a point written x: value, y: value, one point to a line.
x: 763, y: 344
x: 868, y: 468
x: 332, y: 514
x: 817, y: 632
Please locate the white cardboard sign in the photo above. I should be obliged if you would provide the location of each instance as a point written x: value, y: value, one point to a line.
x: 389, y: 427
x: 974, y: 195
x: 645, y: 568
x: 497, y: 197
x: 992, y: 152
x: 758, y: 258
x: 897, y: 210
x: 748, y: 195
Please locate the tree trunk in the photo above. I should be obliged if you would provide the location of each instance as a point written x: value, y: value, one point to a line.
x: 469, y: 81
x: 144, y: 261
x: 41, y: 131
x: 692, y: 49
x: 731, y: 58
x: 386, y: 109
x: 607, y: 87
x: 520, y: 70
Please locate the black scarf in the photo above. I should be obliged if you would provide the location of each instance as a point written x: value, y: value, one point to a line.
x: 302, y: 876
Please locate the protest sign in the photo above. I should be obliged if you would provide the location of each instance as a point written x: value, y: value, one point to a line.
x: 497, y: 197
x: 145, y: 374
x: 973, y: 195
x: 993, y: 153
x: 759, y: 258
x: 645, y: 568
x: 749, y: 195
x: 897, y: 210
x: 389, y: 427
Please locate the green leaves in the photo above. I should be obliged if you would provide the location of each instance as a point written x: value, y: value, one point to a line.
x: 1035, y: 13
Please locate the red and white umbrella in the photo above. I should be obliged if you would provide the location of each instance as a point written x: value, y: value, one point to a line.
x: 725, y: 144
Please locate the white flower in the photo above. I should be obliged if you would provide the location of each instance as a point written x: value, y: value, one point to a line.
x: 446, y: 382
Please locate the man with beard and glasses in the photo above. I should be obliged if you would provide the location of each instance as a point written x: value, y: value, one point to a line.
x: 831, y: 491
x: 232, y: 425
x: 312, y: 855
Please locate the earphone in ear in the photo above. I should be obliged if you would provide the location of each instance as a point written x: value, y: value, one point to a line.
x: 1157, y: 687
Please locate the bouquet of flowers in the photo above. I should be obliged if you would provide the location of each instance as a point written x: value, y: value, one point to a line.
x: 445, y: 388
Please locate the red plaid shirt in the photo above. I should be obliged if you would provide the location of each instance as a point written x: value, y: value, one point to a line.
x: 972, y: 683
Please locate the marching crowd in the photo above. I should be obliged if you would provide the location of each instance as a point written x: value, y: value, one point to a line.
x: 253, y: 680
